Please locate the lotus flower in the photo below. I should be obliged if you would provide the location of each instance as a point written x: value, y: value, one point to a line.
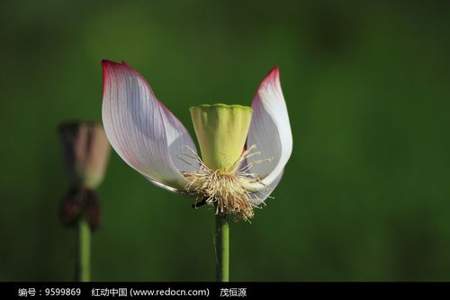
x: 86, y: 153
x: 243, y: 149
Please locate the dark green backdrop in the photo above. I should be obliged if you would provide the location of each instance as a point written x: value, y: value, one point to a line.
x: 365, y: 195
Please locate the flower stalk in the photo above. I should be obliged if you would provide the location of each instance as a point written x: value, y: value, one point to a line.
x: 222, y: 243
x: 83, y: 268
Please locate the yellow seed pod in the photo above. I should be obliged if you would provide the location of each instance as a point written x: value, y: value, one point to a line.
x: 221, y: 132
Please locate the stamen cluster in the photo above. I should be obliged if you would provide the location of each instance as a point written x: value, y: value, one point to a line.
x: 225, y: 190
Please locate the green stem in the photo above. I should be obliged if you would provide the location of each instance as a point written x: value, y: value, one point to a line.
x: 222, y: 242
x: 84, y: 251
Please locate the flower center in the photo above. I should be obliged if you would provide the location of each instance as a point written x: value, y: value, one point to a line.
x: 221, y: 132
x: 228, y: 192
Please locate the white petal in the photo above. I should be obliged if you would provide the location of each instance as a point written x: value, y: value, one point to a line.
x: 260, y: 196
x: 270, y: 130
x: 145, y: 134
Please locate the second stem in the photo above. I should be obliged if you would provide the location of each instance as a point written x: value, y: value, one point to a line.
x: 84, y: 252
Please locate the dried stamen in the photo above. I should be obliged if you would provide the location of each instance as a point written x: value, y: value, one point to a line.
x: 225, y: 190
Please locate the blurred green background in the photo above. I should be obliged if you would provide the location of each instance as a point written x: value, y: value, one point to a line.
x: 365, y: 195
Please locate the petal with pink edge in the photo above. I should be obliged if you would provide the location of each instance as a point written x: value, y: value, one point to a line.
x: 145, y: 134
x: 270, y: 132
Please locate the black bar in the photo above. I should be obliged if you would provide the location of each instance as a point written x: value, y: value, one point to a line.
x: 204, y: 290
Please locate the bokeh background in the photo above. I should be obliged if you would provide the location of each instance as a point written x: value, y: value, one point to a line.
x: 365, y: 195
